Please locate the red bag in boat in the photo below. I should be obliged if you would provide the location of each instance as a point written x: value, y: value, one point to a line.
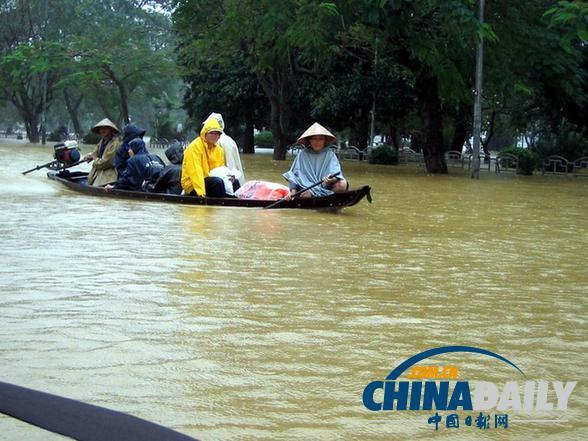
x: 267, y: 191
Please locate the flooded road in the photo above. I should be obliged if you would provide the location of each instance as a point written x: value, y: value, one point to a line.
x: 230, y: 323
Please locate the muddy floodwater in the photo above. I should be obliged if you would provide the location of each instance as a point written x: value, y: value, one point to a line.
x: 231, y: 323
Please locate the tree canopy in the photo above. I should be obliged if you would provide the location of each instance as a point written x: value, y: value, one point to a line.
x: 100, y: 52
x: 282, y: 65
x: 411, y: 60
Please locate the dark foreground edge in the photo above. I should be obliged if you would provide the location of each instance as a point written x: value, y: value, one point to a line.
x: 77, y: 420
x: 77, y: 182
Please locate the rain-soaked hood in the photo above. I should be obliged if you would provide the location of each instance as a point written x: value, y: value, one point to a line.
x: 210, y: 125
x: 132, y: 131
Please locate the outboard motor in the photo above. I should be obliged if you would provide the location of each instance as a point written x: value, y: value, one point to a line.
x: 65, y: 154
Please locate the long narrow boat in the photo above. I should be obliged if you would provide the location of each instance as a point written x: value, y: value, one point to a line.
x: 77, y: 182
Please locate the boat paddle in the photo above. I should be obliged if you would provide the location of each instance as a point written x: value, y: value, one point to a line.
x: 298, y: 193
x: 77, y: 420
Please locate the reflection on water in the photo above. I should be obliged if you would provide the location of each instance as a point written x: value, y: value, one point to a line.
x: 230, y: 323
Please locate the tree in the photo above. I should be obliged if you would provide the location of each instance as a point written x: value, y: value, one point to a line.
x: 269, y: 37
x: 102, y: 52
x: 333, y: 60
x: 224, y: 85
x: 23, y: 71
x: 129, y: 47
x: 30, y: 60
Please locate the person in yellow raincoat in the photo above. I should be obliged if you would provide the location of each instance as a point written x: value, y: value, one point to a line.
x: 200, y: 157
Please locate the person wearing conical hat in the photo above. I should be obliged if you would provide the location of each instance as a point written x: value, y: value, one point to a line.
x: 316, y: 163
x: 103, y: 171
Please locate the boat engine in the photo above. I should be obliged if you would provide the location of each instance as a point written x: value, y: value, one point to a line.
x: 65, y: 154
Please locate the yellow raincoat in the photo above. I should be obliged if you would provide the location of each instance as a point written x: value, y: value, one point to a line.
x: 199, y: 158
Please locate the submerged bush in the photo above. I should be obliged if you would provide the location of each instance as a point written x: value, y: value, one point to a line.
x: 383, y: 154
x: 528, y: 160
x: 264, y: 140
x: 570, y: 141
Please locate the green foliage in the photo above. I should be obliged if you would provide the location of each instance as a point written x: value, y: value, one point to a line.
x: 24, y: 70
x: 529, y: 160
x: 329, y: 61
x: 570, y: 141
x: 106, y: 52
x: 572, y: 17
x: 129, y: 51
x: 91, y: 138
x: 383, y: 154
x: 165, y: 128
x: 264, y: 140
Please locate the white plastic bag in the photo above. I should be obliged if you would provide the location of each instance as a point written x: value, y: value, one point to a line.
x: 226, y: 174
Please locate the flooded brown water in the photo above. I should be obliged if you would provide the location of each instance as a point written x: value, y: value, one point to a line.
x: 250, y: 324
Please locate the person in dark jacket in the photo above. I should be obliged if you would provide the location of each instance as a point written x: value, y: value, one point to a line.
x: 169, y: 180
x: 130, y: 132
x: 142, y: 168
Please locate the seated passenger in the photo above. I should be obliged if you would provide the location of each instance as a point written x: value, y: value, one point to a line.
x: 232, y: 158
x: 142, y: 168
x: 316, y: 163
x: 130, y: 132
x: 103, y: 171
x: 202, y: 155
x: 169, y: 180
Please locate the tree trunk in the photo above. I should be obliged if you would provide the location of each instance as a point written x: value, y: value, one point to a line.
x: 31, y: 121
x: 280, y: 144
x: 72, y: 108
x: 279, y: 121
x: 462, y: 129
x: 248, y: 137
x: 124, y: 100
x: 33, y: 132
x: 277, y: 89
x: 364, y: 129
x: 432, y: 122
x: 416, y: 142
x: 29, y: 110
x: 395, y: 138
x: 123, y: 93
x: 360, y: 134
x: 105, y: 110
x: 490, y: 134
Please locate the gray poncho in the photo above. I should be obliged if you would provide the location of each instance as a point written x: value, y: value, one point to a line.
x: 310, y: 167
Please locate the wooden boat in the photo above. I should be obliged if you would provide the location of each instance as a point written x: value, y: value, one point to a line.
x: 77, y: 182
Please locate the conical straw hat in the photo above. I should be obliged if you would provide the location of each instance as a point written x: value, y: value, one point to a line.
x: 314, y: 130
x: 105, y: 123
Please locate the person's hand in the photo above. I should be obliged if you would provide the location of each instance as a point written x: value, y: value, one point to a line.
x: 89, y: 157
x: 108, y: 187
x: 232, y: 178
x: 329, y: 181
x: 290, y: 195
